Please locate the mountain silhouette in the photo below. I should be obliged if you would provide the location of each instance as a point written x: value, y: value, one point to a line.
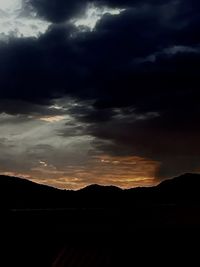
x: 21, y: 193
x: 38, y: 221
x: 100, y: 188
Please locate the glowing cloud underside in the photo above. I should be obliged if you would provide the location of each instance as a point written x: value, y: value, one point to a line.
x: 93, y: 15
x: 13, y: 23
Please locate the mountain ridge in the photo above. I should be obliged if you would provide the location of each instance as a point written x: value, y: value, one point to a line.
x: 21, y: 193
x: 182, y: 177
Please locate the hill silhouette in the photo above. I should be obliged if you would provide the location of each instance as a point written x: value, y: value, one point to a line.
x: 20, y: 193
x: 42, y: 225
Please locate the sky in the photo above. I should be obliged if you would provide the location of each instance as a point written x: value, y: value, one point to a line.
x: 99, y: 92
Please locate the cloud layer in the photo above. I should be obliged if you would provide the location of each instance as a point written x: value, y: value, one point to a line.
x: 133, y: 80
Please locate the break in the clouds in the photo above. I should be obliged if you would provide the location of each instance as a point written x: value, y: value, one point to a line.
x: 17, y: 20
x: 99, y: 91
x: 92, y: 15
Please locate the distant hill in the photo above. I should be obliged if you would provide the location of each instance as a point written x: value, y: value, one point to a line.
x: 18, y: 193
x: 21, y: 193
x: 100, y: 189
x: 185, y: 188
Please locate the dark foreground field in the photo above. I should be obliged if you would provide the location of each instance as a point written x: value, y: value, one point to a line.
x: 101, y: 238
x: 159, y: 226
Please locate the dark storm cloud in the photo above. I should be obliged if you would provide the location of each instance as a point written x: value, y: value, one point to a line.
x: 162, y: 123
x: 142, y: 62
x: 57, y: 10
x: 93, y: 65
x: 24, y: 108
x: 129, y: 3
x: 40, y: 70
x: 168, y: 139
x: 117, y: 55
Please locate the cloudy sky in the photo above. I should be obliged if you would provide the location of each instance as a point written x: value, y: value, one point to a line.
x: 103, y: 91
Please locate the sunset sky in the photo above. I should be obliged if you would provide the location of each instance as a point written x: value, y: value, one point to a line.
x: 103, y: 91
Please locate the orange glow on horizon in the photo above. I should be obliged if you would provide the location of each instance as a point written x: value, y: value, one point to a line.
x: 124, y: 172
